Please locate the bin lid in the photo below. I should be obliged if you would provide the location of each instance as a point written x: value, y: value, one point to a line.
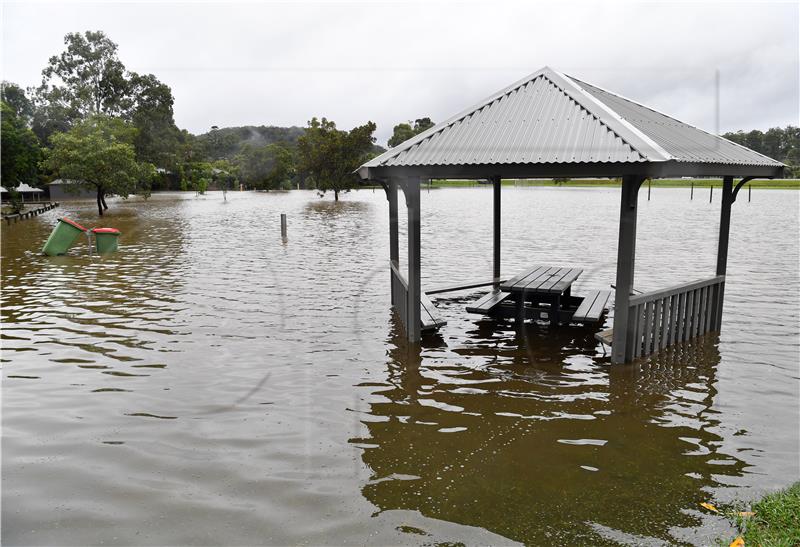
x: 105, y: 231
x: 73, y: 223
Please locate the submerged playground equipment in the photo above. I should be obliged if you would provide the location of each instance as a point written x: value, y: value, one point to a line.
x: 550, y: 125
x: 67, y: 232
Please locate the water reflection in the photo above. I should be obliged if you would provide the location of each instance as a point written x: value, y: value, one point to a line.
x: 114, y: 306
x: 546, y: 451
x: 254, y: 347
x: 327, y: 209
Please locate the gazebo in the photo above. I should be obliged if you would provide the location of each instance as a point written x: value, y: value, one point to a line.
x: 549, y: 125
x: 25, y: 191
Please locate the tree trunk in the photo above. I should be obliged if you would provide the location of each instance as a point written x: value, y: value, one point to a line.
x: 336, y: 195
x: 100, y: 201
x: 103, y: 199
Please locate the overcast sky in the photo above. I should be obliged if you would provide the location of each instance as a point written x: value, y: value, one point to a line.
x: 270, y: 63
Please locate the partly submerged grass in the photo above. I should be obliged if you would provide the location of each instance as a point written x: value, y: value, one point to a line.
x: 773, y: 521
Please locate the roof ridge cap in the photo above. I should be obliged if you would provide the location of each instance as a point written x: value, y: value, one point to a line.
x: 646, y: 147
x: 405, y: 145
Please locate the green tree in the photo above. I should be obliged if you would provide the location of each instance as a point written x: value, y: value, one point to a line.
x: 404, y: 131
x: 329, y: 156
x: 98, y: 153
x: 16, y: 98
x: 267, y: 167
x: 224, y: 175
x: 197, y: 176
x: 21, y: 152
x: 88, y: 78
x: 149, y: 108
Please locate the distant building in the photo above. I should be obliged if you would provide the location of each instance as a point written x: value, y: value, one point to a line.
x: 64, y: 190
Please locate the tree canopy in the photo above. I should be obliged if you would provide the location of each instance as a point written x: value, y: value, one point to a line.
x: 21, y: 152
x: 88, y: 79
x: 404, y: 131
x: 268, y: 167
x: 98, y: 153
x: 329, y: 156
x: 16, y: 98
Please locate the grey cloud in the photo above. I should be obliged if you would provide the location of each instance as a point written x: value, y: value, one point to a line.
x: 282, y: 63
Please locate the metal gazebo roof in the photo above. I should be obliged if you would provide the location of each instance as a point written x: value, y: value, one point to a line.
x: 549, y: 124
x: 23, y: 188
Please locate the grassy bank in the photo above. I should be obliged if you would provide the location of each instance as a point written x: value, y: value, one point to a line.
x: 773, y: 521
x: 781, y: 184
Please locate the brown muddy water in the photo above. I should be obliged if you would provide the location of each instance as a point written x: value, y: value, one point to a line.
x: 211, y: 384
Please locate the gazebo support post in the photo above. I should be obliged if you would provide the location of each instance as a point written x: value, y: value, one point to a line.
x: 414, y: 326
x: 394, y: 244
x: 622, y: 344
x: 496, y: 193
x: 728, y: 197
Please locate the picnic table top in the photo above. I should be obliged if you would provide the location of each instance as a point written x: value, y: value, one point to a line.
x: 542, y: 279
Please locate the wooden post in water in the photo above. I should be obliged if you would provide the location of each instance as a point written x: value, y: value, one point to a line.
x: 414, y: 327
x: 722, y: 246
x: 749, y: 191
x: 623, y: 342
x: 691, y: 196
x: 394, y: 243
x: 496, y: 195
x: 283, y: 225
x: 649, y: 183
x: 711, y: 193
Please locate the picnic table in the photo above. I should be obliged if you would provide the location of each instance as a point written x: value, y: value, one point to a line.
x: 543, y: 293
x: 543, y: 288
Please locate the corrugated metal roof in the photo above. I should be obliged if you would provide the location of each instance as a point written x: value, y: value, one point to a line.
x: 681, y: 140
x: 22, y: 187
x: 550, y: 118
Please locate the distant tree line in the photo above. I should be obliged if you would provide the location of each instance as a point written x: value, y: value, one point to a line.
x: 782, y: 144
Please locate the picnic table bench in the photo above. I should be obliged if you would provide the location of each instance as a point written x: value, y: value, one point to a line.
x: 593, y: 306
x: 543, y: 293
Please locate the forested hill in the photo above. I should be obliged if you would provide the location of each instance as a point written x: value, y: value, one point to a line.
x: 227, y: 142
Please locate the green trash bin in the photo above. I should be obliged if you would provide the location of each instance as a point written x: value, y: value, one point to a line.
x: 62, y: 237
x: 106, y: 240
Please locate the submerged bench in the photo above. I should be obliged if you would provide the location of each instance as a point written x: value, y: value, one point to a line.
x: 486, y: 303
x: 429, y: 315
x: 592, y: 307
x: 605, y: 336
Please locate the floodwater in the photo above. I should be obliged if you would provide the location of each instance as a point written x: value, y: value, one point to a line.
x: 213, y: 384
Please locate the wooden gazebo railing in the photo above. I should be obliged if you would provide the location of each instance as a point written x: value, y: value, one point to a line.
x: 665, y: 317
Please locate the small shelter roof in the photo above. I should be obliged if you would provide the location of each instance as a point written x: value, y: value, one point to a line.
x: 22, y: 188
x: 26, y: 188
x: 550, y: 124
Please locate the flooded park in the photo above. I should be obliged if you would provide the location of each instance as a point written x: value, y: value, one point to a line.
x: 214, y: 383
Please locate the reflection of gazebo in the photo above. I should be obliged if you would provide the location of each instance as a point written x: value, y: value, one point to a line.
x: 551, y: 125
x: 507, y: 451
